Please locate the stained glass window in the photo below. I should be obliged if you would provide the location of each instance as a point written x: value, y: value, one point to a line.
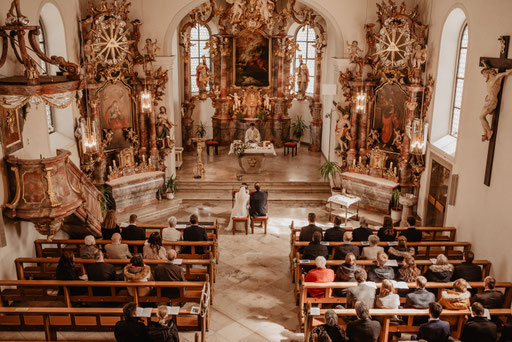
x: 305, y: 38
x: 459, y: 82
x: 199, y: 36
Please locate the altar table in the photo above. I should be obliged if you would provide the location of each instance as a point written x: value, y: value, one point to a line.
x: 251, y: 161
x: 344, y: 201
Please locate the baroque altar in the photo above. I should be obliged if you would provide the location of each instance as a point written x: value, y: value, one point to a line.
x: 251, y: 78
x: 381, y: 131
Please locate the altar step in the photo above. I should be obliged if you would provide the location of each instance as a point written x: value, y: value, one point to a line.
x: 148, y: 213
x: 278, y: 191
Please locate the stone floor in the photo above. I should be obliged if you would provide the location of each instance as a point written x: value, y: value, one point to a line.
x: 253, y: 293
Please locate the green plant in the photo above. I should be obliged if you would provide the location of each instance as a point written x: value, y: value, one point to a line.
x: 329, y: 170
x: 263, y: 115
x: 170, y: 185
x: 240, y: 115
x: 201, y: 130
x: 395, y: 204
x: 106, y: 200
x: 298, y: 127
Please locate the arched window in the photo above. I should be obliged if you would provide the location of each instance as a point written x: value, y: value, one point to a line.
x: 459, y: 81
x: 305, y: 38
x: 45, y: 71
x: 199, y: 36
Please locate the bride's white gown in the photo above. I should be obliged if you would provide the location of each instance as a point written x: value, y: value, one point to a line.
x: 239, y: 207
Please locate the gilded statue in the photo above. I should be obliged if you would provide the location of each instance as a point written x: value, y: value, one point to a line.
x: 203, y: 75
x: 493, y: 82
x: 302, y: 76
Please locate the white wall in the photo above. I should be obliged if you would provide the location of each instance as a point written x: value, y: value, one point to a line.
x: 480, y: 211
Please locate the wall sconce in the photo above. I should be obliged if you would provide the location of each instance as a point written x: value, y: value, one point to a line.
x: 418, y: 137
x: 89, y: 141
x: 146, y: 101
x: 361, y: 102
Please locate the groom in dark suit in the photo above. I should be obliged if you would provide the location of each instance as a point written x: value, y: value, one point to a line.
x: 258, y: 202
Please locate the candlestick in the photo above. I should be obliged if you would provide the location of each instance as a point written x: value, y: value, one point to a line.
x: 115, y: 163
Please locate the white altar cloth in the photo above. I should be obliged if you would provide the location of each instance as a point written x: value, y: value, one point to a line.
x: 255, y: 149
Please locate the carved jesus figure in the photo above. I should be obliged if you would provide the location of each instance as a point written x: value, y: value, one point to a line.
x: 493, y: 82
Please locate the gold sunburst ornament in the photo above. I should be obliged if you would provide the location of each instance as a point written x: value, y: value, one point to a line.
x: 111, y: 44
x: 394, y: 43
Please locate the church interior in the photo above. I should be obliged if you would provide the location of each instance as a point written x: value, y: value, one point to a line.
x: 238, y: 136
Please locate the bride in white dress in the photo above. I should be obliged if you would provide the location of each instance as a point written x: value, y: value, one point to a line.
x: 240, y: 206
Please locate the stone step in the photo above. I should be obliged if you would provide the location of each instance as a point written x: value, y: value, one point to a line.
x: 163, y: 208
x: 274, y: 186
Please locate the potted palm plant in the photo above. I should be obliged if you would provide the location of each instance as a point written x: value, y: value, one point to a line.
x: 329, y: 171
x: 201, y: 130
x: 169, y: 188
x: 396, y: 211
x: 299, y: 126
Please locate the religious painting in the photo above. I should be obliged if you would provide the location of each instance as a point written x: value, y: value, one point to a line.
x: 12, y: 140
x: 389, y: 117
x: 115, y: 111
x: 252, y: 59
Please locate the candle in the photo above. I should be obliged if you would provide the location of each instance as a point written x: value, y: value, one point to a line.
x: 110, y: 168
x: 143, y: 158
x: 359, y: 159
x: 115, y: 164
x: 395, y: 171
x: 391, y: 165
x: 354, y: 162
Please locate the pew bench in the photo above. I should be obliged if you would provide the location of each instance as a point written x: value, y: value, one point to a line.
x: 212, y: 228
x: 305, y: 299
x: 74, y: 245
x: 48, y: 290
x: 45, y: 268
x: 52, y: 319
x: 367, y: 264
x: 386, y: 315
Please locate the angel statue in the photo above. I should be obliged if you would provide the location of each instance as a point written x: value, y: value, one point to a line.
x: 237, y: 10
x: 373, y: 138
x: 493, y: 82
x: 150, y: 49
x: 185, y: 40
x: 236, y: 102
x: 343, y: 126
x: 266, y: 8
x: 398, y: 138
x: 267, y: 104
x: 353, y: 51
x: 418, y: 57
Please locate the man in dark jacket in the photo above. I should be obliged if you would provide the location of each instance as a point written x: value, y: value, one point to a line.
x: 258, y: 202
x: 419, y: 298
x: 490, y: 298
x: 363, y: 329
x: 381, y: 272
x: 194, y: 233
x: 435, y: 330
x: 131, y: 329
x: 169, y: 272
x: 341, y: 251
x: 467, y: 270
x: 363, y: 232
x: 412, y: 233
x: 132, y: 232
x: 306, y: 233
x: 315, y: 249
x: 478, y: 328
x: 335, y: 233
x: 101, y: 271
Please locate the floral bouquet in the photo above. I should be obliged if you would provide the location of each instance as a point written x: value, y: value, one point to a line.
x: 239, y: 148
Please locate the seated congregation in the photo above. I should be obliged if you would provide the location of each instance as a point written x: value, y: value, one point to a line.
x: 395, y: 283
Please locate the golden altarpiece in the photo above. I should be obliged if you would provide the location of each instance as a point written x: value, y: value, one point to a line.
x: 251, y: 77
x: 381, y: 133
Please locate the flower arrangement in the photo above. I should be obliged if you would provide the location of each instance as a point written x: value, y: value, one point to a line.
x: 239, y: 148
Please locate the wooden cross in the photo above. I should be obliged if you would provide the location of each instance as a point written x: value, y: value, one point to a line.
x: 502, y: 64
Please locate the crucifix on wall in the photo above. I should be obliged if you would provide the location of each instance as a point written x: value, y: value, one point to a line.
x: 492, y: 105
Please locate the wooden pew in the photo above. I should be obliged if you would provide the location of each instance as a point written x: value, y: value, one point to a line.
x: 385, y: 315
x: 305, y: 299
x: 45, y: 268
x: 366, y: 264
x: 74, y: 245
x: 428, y: 233
x: 30, y: 290
x: 51, y: 319
x: 212, y: 228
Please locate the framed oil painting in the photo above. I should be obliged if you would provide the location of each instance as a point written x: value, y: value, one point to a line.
x: 12, y: 139
x: 389, y: 115
x: 116, y: 112
x: 252, y: 59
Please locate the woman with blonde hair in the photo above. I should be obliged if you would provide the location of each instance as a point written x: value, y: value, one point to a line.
x: 371, y: 251
x: 409, y: 271
x: 109, y: 226
x: 441, y: 271
x: 387, y: 298
x: 165, y: 330
x: 458, y: 298
x: 345, y: 272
